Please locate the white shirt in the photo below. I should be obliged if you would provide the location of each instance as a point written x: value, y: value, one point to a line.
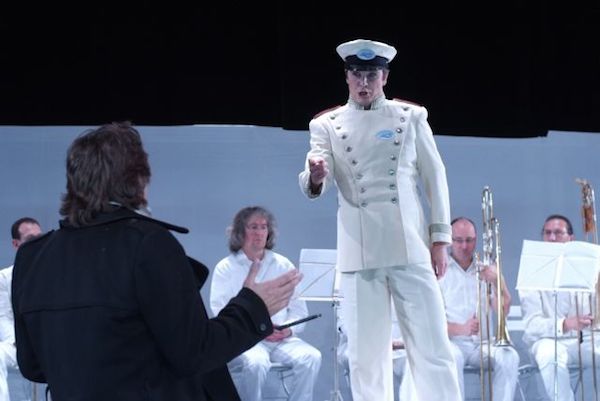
x: 459, y: 290
x: 230, y: 273
x: 539, y: 315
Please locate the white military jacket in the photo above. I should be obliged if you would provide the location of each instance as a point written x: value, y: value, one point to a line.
x: 377, y: 158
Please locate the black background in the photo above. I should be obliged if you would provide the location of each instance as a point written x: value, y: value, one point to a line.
x: 512, y: 70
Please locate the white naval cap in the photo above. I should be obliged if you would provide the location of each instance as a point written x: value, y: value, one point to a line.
x: 361, y: 53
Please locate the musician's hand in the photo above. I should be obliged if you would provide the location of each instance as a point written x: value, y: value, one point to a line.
x: 488, y: 274
x: 471, y: 326
x: 577, y: 323
x: 279, y: 335
x: 275, y: 293
x: 439, y: 258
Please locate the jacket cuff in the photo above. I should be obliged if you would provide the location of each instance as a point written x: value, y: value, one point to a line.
x: 256, y: 309
x: 440, y: 232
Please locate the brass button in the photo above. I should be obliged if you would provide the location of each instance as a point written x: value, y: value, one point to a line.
x: 392, y: 172
x: 394, y: 200
x: 393, y: 187
x: 393, y: 157
x: 362, y: 190
x: 354, y: 162
x: 396, y: 142
x: 348, y: 148
x: 402, y: 119
x: 399, y: 130
x: 344, y: 136
x: 363, y: 204
x: 359, y: 176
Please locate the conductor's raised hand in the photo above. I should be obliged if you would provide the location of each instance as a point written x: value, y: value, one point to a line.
x: 275, y: 293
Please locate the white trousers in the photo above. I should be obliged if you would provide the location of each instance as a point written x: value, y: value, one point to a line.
x: 8, y: 359
x: 367, y: 317
x: 504, y: 362
x: 567, y: 355
x: 249, y: 370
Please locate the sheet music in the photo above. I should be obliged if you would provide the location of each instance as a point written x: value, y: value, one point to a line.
x: 557, y: 266
x: 319, y: 275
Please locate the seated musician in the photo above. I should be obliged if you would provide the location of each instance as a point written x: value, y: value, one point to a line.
x: 461, y: 299
x: 251, y: 240
x: 553, y: 335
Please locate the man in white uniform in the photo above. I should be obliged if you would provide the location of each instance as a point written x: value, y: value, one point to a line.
x: 377, y: 151
x: 460, y: 292
x: 252, y: 238
x: 22, y: 230
x: 541, y: 320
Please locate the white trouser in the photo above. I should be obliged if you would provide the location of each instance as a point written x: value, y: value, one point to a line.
x: 249, y: 370
x: 367, y: 318
x: 504, y: 362
x: 567, y: 355
x: 8, y: 359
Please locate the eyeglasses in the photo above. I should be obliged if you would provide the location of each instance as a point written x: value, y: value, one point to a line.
x: 468, y: 240
x: 557, y: 233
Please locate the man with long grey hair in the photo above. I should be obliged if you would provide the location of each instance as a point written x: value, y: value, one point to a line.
x: 251, y: 240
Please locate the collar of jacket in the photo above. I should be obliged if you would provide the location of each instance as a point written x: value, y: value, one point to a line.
x: 122, y: 213
x: 377, y: 103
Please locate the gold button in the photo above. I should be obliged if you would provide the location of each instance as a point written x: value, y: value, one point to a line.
x: 399, y: 130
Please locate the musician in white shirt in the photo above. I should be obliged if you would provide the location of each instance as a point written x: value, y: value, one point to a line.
x: 459, y: 289
x: 553, y: 336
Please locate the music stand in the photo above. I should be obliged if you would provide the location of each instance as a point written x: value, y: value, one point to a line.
x: 320, y: 283
x: 558, y: 267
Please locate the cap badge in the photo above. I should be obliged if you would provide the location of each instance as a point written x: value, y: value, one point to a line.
x: 365, y: 54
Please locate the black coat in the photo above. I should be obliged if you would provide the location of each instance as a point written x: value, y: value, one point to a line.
x: 112, y: 311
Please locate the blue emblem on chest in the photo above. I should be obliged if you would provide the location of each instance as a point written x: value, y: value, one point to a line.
x: 385, y: 134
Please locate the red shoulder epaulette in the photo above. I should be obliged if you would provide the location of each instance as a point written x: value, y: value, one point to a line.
x: 407, y: 101
x: 326, y: 110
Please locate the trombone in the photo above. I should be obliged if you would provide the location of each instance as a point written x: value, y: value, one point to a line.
x: 491, y: 254
x: 588, y: 214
